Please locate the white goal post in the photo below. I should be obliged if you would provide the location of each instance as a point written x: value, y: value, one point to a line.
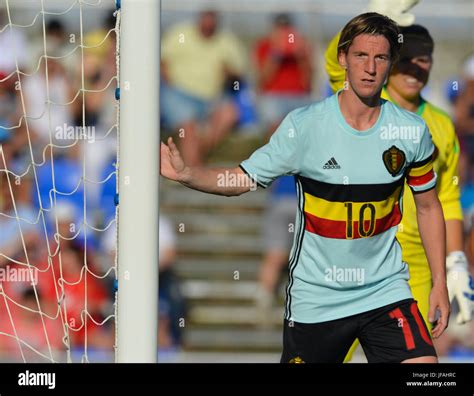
x: 138, y: 162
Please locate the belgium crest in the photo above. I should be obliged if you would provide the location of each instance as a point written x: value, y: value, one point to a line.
x: 394, y: 159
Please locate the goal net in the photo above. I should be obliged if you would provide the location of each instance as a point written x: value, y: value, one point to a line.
x: 59, y: 128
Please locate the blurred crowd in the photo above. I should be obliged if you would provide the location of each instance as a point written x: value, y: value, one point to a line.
x: 57, y: 127
x: 58, y: 143
x: 58, y: 150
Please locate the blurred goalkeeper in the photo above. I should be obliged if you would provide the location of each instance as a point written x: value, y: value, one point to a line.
x: 405, y: 83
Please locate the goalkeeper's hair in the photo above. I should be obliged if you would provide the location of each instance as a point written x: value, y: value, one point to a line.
x: 374, y: 24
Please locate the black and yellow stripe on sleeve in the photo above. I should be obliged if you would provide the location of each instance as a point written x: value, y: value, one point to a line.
x: 421, y: 173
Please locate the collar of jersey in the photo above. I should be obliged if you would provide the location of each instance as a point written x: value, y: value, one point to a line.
x: 368, y: 132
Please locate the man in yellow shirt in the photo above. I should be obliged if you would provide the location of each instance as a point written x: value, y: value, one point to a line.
x: 196, y: 61
x: 408, y: 77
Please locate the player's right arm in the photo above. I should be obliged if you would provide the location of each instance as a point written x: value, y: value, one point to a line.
x: 280, y: 156
x: 208, y: 180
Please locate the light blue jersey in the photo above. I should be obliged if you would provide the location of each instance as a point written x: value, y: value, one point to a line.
x: 345, y: 258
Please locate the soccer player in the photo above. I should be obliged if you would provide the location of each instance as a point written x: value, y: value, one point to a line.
x: 347, y: 279
x: 407, y: 79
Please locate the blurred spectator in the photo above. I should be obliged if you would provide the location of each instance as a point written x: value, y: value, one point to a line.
x: 171, y: 302
x: 47, y: 90
x: 13, y: 132
x: 86, y: 302
x: 196, y: 62
x: 107, y: 194
x: 284, y: 71
x: 62, y: 190
x: 464, y: 116
x: 100, y: 42
x: 45, y: 96
x: 15, y: 199
x: 56, y: 41
x: 65, y: 176
x: 99, y: 116
x: 11, y: 142
x: 56, y: 38
x: 35, y: 333
x: 13, y: 47
x: 172, y: 307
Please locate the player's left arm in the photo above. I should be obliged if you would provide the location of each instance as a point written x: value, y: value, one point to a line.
x: 433, y: 235
x: 422, y: 181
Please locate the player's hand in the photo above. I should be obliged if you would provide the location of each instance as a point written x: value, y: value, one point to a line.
x: 439, y: 302
x: 395, y: 9
x: 172, y: 164
x: 460, y: 285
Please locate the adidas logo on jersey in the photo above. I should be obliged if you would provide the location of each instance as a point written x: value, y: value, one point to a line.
x: 331, y: 164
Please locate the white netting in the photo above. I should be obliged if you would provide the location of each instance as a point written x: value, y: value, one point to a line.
x: 58, y: 139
